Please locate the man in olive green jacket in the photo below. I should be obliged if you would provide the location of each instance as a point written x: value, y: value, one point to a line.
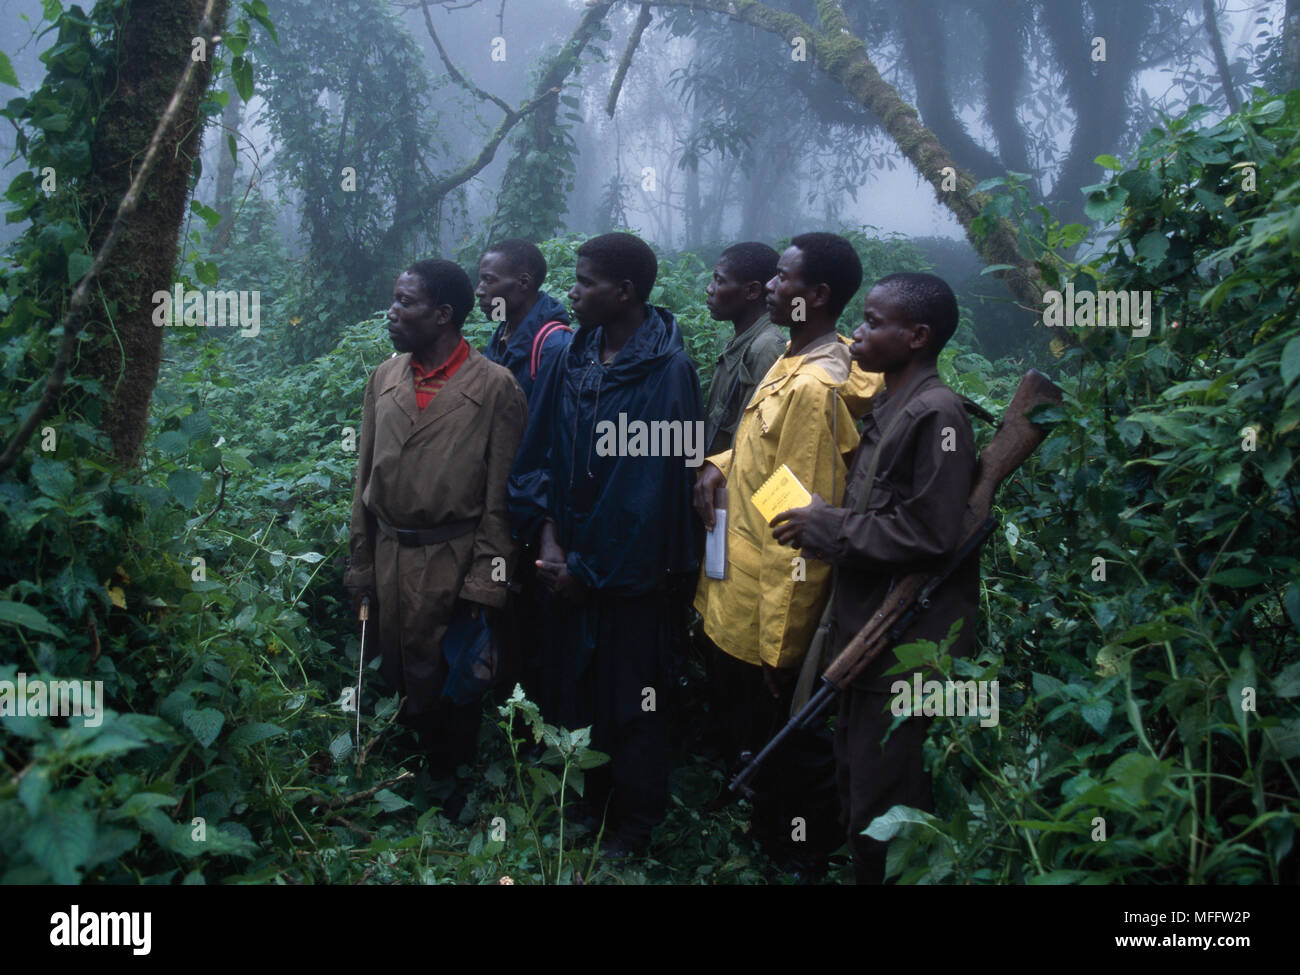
x: 440, y: 428
x: 737, y: 294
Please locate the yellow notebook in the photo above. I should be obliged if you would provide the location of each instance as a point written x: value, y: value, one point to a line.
x: 780, y: 492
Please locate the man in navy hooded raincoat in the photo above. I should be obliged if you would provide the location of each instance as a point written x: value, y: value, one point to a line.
x: 603, y: 482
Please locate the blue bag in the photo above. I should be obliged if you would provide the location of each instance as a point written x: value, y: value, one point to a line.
x: 471, y: 654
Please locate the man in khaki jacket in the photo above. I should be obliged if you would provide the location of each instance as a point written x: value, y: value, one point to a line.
x: 430, y: 529
x: 762, y: 616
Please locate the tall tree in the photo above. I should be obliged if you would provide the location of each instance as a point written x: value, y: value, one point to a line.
x: 130, y: 179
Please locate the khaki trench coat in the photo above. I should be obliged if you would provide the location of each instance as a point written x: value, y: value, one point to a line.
x: 420, y: 469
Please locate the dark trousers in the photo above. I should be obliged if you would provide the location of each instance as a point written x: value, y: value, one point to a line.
x: 611, y: 665
x: 796, y: 811
x: 448, y: 734
x: 873, y: 777
x: 517, y: 630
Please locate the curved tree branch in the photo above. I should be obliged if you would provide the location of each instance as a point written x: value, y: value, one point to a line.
x: 455, y: 74
x: 548, y: 86
x: 642, y: 22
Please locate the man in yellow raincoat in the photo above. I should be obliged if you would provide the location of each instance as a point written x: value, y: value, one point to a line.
x: 761, y: 616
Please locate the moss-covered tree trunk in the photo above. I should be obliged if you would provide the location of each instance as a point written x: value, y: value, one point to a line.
x: 124, y: 346
x: 1291, y: 46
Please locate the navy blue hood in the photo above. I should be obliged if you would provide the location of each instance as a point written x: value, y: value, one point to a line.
x: 626, y: 522
x: 517, y: 356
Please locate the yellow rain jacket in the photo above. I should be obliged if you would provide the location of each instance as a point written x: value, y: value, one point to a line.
x: 802, y: 415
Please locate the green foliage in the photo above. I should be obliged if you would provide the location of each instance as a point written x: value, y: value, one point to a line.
x: 539, y: 177
x: 348, y: 95
x: 1141, y: 610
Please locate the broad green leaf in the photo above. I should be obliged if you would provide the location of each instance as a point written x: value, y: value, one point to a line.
x: 52, y: 478
x: 1287, y: 681
x: 1152, y: 248
x: 1292, y: 602
x: 7, y: 75
x: 250, y: 734
x: 1291, y: 360
x: 185, y: 486
x: 140, y: 803
x: 1276, y: 467
x: 341, y: 746
x: 886, y: 826
x: 205, y: 723
x: 20, y: 614
x: 78, y: 265
x: 210, y: 216
x: 1238, y: 578
x: 61, y: 840
x: 241, y: 70
x: 207, y: 272
x: 1097, y: 715
x: 390, y: 801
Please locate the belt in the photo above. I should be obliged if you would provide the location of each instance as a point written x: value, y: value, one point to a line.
x: 413, y: 537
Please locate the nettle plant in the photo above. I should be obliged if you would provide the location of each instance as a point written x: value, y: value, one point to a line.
x: 1141, y: 608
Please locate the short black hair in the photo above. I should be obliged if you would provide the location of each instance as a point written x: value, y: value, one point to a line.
x: 624, y: 256
x: 928, y: 299
x: 523, y: 255
x: 446, y: 283
x: 829, y: 259
x: 750, y: 261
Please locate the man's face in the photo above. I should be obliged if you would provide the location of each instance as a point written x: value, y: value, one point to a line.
x: 786, y: 286
x: 885, y: 341
x: 726, y: 296
x: 414, y: 324
x: 501, y: 288
x: 594, y: 298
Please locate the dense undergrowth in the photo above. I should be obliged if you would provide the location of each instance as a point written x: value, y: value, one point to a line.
x: 1142, y: 588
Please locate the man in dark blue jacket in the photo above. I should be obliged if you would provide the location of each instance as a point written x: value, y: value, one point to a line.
x: 527, y: 340
x: 603, y: 481
x: 532, y: 335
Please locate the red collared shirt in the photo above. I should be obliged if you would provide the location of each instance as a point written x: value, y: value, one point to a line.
x: 428, y: 383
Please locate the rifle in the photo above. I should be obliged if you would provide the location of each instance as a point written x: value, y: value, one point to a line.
x: 1016, y: 438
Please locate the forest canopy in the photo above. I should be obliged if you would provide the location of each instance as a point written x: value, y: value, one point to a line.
x: 177, y: 497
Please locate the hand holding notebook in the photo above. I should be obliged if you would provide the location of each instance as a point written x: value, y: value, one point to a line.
x: 780, y: 492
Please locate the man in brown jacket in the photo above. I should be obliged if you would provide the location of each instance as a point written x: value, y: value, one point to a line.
x: 439, y: 432
x: 911, y: 523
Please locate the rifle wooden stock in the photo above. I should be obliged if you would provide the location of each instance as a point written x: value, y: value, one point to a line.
x: 1016, y: 438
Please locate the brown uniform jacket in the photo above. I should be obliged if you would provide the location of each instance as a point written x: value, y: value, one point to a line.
x: 420, y: 469
x: 911, y: 523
